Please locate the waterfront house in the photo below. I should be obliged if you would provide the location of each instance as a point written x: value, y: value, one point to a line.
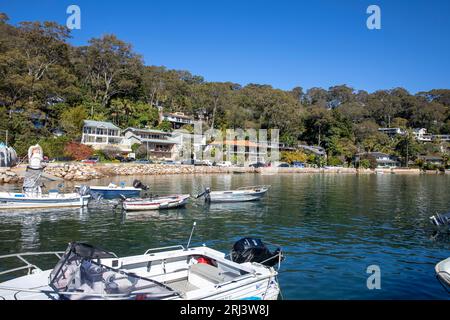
x: 383, y: 160
x: 159, y: 144
x: 102, y: 135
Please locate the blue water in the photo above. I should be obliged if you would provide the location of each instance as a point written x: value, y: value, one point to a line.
x: 331, y: 227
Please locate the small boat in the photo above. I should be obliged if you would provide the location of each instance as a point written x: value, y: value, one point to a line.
x: 155, y: 203
x: 112, y: 190
x: 85, y: 272
x: 32, y: 195
x: 242, y: 194
x: 10, y: 200
x: 443, y: 273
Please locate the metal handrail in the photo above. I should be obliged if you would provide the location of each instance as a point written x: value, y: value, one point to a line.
x: 27, y: 265
x: 164, y: 248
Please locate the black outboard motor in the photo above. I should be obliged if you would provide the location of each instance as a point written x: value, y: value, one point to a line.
x: 138, y: 184
x: 254, y: 250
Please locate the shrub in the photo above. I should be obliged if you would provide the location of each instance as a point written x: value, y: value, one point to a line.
x: 77, y: 151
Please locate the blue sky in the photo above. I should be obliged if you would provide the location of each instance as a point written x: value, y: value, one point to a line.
x: 283, y: 43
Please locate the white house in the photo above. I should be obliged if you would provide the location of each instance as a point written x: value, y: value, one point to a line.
x: 100, y: 135
x: 159, y: 144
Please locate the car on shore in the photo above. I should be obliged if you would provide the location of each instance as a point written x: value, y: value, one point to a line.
x: 224, y: 164
x: 91, y: 160
x: 143, y: 161
x: 257, y: 165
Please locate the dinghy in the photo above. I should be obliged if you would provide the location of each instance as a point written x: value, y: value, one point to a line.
x: 443, y: 273
x: 112, y: 190
x: 32, y: 195
x: 85, y: 272
x: 242, y: 194
x: 155, y: 203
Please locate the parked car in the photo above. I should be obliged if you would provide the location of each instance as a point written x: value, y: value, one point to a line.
x: 92, y: 160
x: 169, y: 162
x: 283, y: 165
x: 298, y: 164
x: 143, y: 161
x: 203, y: 163
x: 188, y: 162
x: 257, y: 165
x: 224, y: 164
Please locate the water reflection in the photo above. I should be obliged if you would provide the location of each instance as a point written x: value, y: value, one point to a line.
x: 331, y: 227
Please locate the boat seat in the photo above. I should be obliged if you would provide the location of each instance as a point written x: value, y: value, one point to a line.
x: 201, y: 274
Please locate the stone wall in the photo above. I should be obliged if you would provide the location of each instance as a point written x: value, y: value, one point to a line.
x: 8, y: 176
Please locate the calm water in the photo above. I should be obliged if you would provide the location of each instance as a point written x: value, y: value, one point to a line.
x: 332, y: 227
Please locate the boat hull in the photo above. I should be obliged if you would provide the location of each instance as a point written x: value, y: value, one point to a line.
x: 114, y: 193
x: 236, y: 196
x: 443, y: 272
x: 23, y: 201
x: 168, y: 202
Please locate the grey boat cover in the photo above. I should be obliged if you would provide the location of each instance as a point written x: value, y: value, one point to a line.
x: 8, y: 156
x: 79, y: 275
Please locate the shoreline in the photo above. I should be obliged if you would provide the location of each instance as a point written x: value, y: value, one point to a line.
x: 75, y: 171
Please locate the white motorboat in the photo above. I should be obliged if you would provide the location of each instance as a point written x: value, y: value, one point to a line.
x: 443, y: 273
x: 32, y: 195
x: 10, y: 200
x: 242, y: 194
x: 169, y: 273
x: 155, y: 203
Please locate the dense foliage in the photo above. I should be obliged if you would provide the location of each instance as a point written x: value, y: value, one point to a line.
x: 46, y: 85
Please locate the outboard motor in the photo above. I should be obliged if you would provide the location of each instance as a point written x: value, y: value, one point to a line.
x: 254, y: 250
x: 138, y: 184
x: 84, y: 190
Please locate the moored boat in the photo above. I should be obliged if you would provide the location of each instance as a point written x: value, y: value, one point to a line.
x: 84, y: 272
x: 242, y: 194
x: 32, y: 195
x: 10, y: 200
x: 112, y: 190
x: 155, y: 203
x: 443, y: 273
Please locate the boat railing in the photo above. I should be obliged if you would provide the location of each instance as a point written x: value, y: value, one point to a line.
x: 28, y: 265
x: 165, y: 248
x: 254, y: 187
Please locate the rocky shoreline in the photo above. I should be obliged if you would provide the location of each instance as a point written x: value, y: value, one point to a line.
x: 84, y: 172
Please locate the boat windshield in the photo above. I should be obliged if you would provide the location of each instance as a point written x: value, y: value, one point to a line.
x: 77, y: 276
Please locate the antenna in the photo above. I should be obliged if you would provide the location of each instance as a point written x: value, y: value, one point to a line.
x: 190, y: 237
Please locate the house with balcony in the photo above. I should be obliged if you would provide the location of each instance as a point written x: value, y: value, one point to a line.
x: 392, y: 132
x: 176, y: 119
x: 383, y: 160
x: 101, y: 135
x: 159, y: 144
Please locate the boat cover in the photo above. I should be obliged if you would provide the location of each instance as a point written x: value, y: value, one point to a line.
x: 78, y: 276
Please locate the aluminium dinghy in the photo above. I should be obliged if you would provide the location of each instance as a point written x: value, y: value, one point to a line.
x: 155, y: 202
x: 85, y: 272
x: 242, y: 194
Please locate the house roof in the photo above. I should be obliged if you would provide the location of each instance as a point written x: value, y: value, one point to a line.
x: 179, y: 115
x: 100, y: 124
